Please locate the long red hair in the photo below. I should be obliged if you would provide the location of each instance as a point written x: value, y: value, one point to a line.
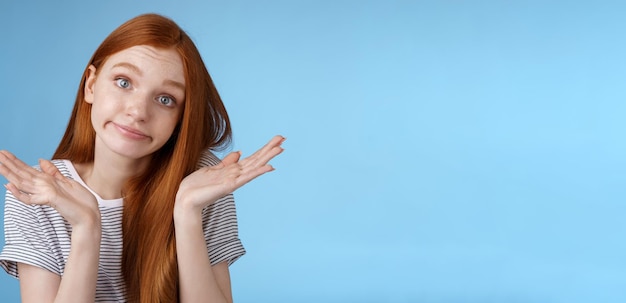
x: 149, y: 261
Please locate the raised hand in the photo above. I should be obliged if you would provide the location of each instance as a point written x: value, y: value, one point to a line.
x: 49, y: 187
x: 210, y: 183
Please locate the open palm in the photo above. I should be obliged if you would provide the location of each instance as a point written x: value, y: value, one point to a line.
x: 48, y: 187
x: 210, y: 183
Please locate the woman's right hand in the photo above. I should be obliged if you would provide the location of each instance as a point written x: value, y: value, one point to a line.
x: 49, y: 187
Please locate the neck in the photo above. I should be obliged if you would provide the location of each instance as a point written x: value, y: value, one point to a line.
x: 108, y: 173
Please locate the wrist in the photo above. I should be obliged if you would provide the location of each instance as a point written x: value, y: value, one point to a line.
x: 87, y: 235
x: 89, y: 221
x: 186, y: 213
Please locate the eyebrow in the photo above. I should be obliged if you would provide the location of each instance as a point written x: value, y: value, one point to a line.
x: 138, y: 71
x: 130, y: 66
x: 175, y: 84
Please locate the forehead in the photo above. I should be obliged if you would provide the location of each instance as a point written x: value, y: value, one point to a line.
x: 149, y: 60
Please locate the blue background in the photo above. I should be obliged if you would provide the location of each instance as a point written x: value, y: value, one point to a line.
x: 438, y: 151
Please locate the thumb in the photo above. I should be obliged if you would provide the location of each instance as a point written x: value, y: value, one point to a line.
x: 49, y: 168
x: 231, y: 158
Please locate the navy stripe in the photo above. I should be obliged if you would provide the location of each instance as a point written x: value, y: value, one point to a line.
x: 39, y: 236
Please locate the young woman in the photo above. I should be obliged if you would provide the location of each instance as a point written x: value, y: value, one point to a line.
x: 134, y: 208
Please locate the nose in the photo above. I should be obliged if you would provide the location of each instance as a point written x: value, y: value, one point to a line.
x: 137, y: 107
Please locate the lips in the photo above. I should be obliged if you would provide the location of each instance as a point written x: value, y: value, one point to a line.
x: 130, y: 132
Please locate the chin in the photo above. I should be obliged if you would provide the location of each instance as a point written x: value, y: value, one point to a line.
x: 130, y: 149
x: 132, y: 152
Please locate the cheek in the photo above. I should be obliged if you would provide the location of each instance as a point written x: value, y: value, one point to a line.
x: 100, y: 109
x: 96, y: 112
x: 168, y: 126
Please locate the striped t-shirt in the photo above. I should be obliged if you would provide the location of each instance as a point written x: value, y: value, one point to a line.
x: 40, y: 236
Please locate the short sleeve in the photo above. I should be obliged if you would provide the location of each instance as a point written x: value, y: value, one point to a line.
x: 29, y: 237
x: 219, y: 221
x: 221, y: 232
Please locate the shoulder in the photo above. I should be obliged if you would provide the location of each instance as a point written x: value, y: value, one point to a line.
x: 208, y: 158
x: 64, y: 166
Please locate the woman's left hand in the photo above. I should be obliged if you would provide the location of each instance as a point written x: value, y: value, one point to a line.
x: 210, y: 183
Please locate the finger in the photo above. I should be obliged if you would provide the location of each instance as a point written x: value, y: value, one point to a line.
x: 277, y: 150
x: 231, y: 158
x: 13, y: 166
x: 19, y: 174
x: 11, y: 160
x: 50, y: 169
x: 272, y: 144
x: 267, y: 152
x: 253, y: 174
x: 18, y: 194
x: 275, y: 141
x: 262, y: 159
x: 9, y: 172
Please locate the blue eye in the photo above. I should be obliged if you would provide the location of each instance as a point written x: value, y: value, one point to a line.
x: 165, y: 100
x: 123, y: 83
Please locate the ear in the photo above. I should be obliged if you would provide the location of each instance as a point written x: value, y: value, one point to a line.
x: 89, y: 84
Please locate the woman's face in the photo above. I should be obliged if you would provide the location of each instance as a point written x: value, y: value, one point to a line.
x: 137, y: 98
